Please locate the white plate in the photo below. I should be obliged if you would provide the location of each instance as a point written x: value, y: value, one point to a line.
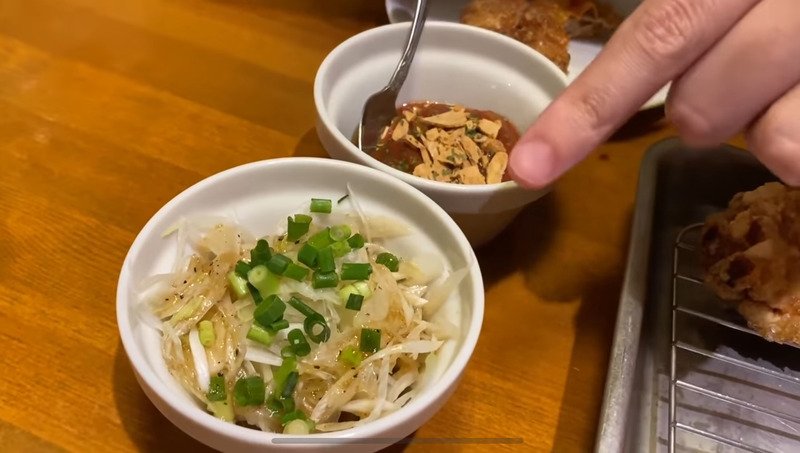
x: 581, y: 52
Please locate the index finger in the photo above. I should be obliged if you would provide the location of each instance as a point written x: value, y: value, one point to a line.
x: 654, y: 45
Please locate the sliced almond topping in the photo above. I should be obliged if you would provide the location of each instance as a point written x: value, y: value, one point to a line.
x: 400, y: 130
x: 493, y: 146
x: 447, y: 119
x: 472, y: 150
x: 490, y: 128
x: 451, y: 155
x: 441, y: 173
x: 432, y: 133
x: 471, y: 175
x: 496, y: 168
x: 414, y: 142
x: 410, y: 114
x: 484, y: 161
x: 458, y: 107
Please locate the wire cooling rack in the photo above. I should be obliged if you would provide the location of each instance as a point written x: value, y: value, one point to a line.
x: 729, y: 389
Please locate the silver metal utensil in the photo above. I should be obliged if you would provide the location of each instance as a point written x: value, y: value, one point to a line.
x: 381, y: 107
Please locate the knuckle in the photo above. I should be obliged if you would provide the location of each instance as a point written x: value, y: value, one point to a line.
x: 692, y: 125
x: 669, y: 28
x: 590, y: 109
x: 779, y: 147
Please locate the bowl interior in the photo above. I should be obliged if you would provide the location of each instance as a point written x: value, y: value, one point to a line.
x: 454, y: 63
x: 259, y: 197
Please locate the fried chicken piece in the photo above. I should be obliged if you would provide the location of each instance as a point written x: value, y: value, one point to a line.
x: 751, y: 256
x: 545, y: 25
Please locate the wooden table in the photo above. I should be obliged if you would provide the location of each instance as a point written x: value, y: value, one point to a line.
x: 110, y: 108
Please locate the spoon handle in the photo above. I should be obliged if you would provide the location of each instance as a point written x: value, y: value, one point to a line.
x: 401, y: 72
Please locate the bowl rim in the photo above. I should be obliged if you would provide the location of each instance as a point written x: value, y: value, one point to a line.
x: 450, y: 27
x: 415, y: 408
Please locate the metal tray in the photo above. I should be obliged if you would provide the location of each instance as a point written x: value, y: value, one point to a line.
x: 683, y: 370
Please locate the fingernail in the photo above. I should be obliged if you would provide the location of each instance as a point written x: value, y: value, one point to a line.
x: 533, y: 164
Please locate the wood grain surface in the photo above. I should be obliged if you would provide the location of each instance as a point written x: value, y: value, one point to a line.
x: 110, y: 108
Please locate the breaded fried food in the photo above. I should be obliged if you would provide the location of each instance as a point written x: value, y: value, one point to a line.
x: 545, y: 25
x: 751, y: 257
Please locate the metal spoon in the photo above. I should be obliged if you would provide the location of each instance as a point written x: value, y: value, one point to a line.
x: 380, y: 108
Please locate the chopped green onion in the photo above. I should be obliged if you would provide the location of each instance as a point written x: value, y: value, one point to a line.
x: 370, y: 340
x: 321, y: 239
x: 350, y: 356
x: 311, y: 322
x: 307, y: 255
x: 354, y: 302
x: 206, y: 330
x: 388, y: 260
x: 339, y: 232
x: 321, y: 205
x: 216, y: 389
x: 223, y: 410
x: 356, y: 271
x: 299, y: 427
x: 356, y: 241
x: 363, y: 288
x: 237, y: 284
x: 279, y: 325
x: 263, y: 280
x: 260, y: 254
x: 288, y: 365
x: 269, y: 311
x: 249, y: 391
x: 254, y: 292
x: 260, y: 335
x: 298, y: 227
x: 289, y: 385
x: 278, y: 263
x: 343, y: 198
x: 299, y: 344
x: 287, y: 403
x: 301, y: 306
x: 325, y: 260
x: 287, y: 352
x: 274, y: 404
x: 324, y: 280
x: 242, y: 268
x: 295, y: 272
x: 294, y: 415
x: 360, y: 287
x: 340, y: 248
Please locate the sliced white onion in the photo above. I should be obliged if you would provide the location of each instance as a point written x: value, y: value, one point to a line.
x: 258, y: 354
x: 200, y: 360
x: 409, y: 347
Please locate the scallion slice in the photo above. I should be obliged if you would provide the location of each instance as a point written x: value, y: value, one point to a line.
x: 324, y: 280
x: 287, y: 352
x: 269, y: 311
x: 238, y: 284
x: 321, y: 205
x: 205, y: 329
x: 307, y: 255
x: 325, y: 261
x: 356, y: 271
x: 295, y: 272
x: 250, y: 391
x: 354, y: 302
x: 370, y: 340
x: 294, y: 415
x: 356, y: 241
x: 242, y: 268
x: 350, y: 356
x: 279, y: 325
x: 321, y: 239
x: 301, y: 306
x: 260, y: 254
x: 263, y: 280
x: 317, y: 328
x: 297, y: 226
x: 288, y: 365
x: 289, y: 385
x: 388, y: 260
x: 260, y: 335
x: 299, y: 344
x: 340, y: 248
x: 278, y: 263
x: 339, y: 232
x: 216, y: 389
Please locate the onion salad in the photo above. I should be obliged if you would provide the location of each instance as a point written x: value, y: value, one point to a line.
x: 316, y: 328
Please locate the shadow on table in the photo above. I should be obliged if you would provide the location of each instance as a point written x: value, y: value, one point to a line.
x: 594, y: 330
x: 643, y: 123
x: 149, y: 430
x: 309, y: 146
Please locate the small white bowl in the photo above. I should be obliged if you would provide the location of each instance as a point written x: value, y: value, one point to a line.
x: 259, y: 196
x: 454, y: 63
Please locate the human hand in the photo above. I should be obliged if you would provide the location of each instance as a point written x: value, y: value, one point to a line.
x: 735, y: 66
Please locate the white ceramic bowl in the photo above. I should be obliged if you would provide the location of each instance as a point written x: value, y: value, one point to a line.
x: 260, y: 195
x: 454, y: 63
